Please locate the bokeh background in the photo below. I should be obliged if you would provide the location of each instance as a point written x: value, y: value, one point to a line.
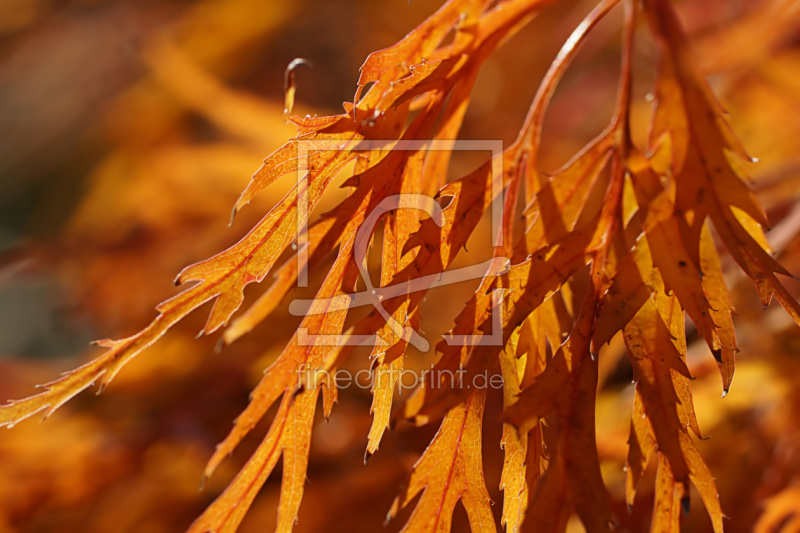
x: 128, y: 128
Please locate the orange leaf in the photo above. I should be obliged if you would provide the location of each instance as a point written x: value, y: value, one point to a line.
x: 450, y: 470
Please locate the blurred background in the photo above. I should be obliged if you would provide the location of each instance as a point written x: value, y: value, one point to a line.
x: 127, y: 130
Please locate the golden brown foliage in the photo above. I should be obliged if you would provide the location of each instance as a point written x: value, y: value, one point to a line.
x: 619, y: 245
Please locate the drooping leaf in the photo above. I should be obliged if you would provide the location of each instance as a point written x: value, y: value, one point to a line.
x: 450, y: 470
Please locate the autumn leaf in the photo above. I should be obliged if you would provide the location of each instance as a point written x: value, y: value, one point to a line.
x: 617, y: 247
x: 450, y: 470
